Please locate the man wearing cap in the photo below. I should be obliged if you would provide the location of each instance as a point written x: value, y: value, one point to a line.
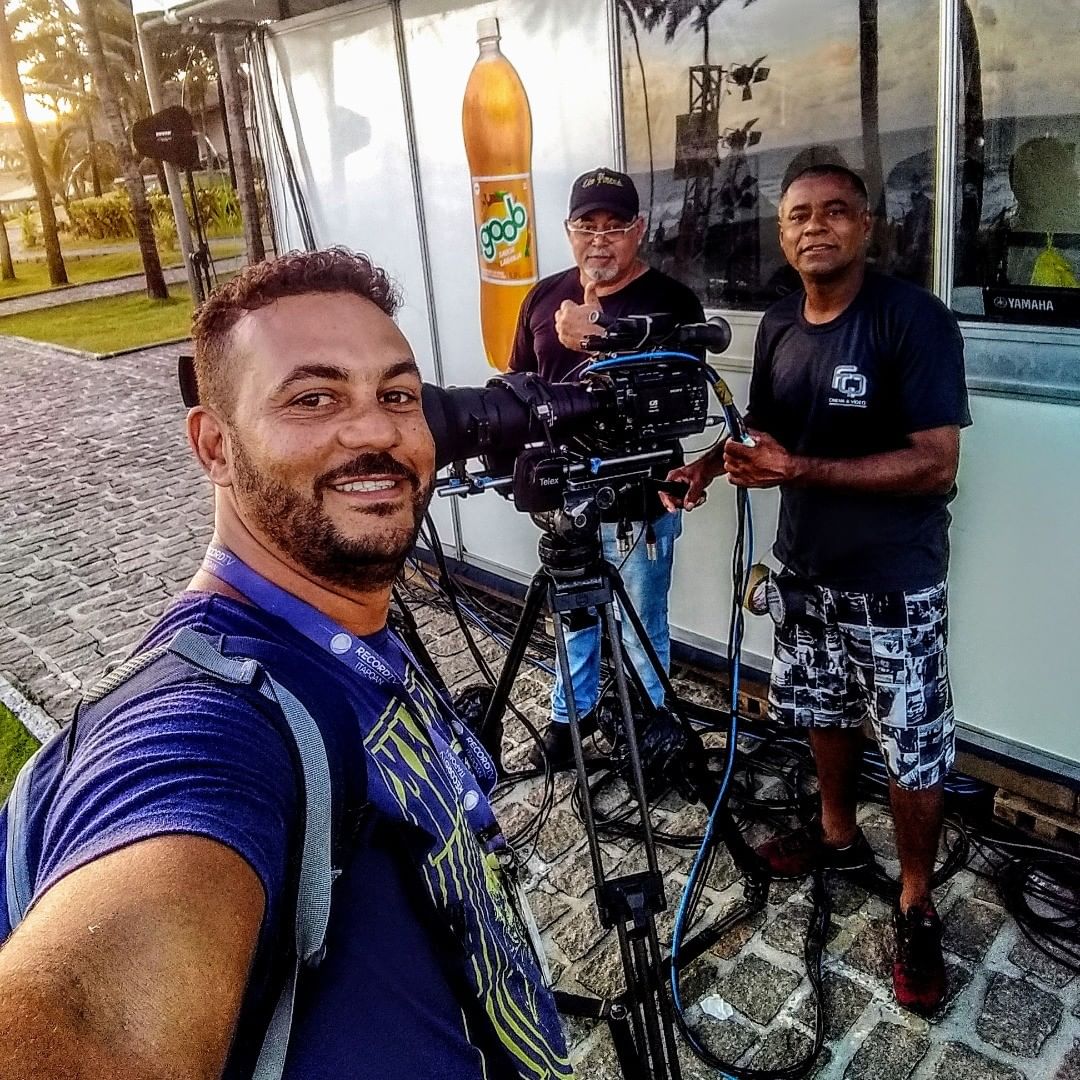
x: 856, y: 403
x: 608, y: 279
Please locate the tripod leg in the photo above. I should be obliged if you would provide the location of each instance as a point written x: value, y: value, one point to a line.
x: 629, y: 612
x: 607, y: 615
x: 743, y: 855
x: 646, y: 990
x: 534, y: 601
x: 589, y: 820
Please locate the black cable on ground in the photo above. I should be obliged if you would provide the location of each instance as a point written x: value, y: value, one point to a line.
x: 1039, y: 885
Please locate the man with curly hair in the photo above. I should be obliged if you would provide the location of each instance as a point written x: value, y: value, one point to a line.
x: 164, y: 830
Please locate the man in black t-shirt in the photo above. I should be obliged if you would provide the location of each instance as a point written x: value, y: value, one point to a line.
x: 856, y: 404
x: 608, y: 279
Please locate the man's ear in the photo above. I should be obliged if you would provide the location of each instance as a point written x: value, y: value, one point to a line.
x: 209, y: 438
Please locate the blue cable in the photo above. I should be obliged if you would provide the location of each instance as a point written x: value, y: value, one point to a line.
x: 695, y: 869
x: 645, y: 357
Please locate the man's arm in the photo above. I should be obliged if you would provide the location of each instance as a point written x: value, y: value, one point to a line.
x: 523, y: 351
x: 927, y: 466
x: 132, y: 967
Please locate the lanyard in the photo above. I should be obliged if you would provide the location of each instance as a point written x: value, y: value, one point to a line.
x: 472, y: 784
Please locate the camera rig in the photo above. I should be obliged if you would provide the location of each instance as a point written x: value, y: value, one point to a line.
x: 556, y: 446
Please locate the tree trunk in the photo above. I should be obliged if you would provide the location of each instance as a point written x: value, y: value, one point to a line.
x: 91, y: 149
x: 13, y: 92
x: 7, y: 268
x: 868, y: 82
x: 110, y: 105
x: 245, y: 176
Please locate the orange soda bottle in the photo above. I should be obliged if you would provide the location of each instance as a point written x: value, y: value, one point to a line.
x: 497, y: 126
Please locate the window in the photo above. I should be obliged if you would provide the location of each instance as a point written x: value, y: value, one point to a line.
x: 1017, y: 216
x: 725, y: 98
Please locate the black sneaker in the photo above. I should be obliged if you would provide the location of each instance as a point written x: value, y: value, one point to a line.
x: 558, y: 745
x: 919, y: 969
x: 797, y: 853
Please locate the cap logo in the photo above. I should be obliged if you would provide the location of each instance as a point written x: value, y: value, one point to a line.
x: 602, y: 178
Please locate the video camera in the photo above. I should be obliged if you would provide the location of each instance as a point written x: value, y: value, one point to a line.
x: 554, y: 445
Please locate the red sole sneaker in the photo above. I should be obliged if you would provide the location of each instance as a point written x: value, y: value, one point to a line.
x: 919, y: 968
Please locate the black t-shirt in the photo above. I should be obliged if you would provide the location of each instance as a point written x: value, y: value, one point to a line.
x: 890, y: 365
x: 537, y: 347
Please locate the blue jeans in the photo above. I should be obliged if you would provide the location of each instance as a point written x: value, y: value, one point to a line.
x: 647, y: 584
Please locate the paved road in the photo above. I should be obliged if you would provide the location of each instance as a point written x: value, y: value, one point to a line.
x: 103, y: 515
x: 112, y: 287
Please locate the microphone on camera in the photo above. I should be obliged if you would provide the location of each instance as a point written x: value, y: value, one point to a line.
x: 714, y: 335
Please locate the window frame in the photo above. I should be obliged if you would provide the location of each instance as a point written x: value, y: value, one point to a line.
x: 1004, y: 359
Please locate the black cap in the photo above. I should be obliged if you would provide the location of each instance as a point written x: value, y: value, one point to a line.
x: 604, y: 189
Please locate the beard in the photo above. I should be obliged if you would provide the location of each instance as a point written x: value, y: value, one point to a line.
x: 600, y: 274
x: 296, y: 523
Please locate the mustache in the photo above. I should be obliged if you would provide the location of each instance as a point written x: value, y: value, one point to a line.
x: 367, y: 464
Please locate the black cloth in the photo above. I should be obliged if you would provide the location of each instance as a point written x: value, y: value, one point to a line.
x: 537, y: 347
x: 891, y: 364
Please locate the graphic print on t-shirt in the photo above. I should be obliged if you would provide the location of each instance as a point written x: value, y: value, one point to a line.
x: 408, y: 778
x: 851, y: 387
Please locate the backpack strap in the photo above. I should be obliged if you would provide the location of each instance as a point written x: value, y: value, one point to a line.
x: 316, y: 872
x: 20, y: 889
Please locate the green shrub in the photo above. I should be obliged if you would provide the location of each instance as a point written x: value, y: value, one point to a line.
x: 106, y: 217
x: 28, y: 226
x: 110, y: 217
x: 164, y: 226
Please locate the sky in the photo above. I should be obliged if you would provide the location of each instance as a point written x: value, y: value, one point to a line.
x: 1029, y: 58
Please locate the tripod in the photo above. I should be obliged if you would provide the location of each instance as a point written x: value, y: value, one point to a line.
x: 573, y: 575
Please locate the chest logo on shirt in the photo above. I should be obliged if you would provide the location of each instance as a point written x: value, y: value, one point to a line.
x: 850, y: 386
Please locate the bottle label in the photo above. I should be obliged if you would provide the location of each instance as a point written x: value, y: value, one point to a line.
x: 503, y: 211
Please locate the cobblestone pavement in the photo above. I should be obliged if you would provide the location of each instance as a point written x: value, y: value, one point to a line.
x: 103, y: 515
x: 130, y: 283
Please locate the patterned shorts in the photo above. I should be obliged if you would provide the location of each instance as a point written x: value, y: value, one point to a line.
x: 876, y: 656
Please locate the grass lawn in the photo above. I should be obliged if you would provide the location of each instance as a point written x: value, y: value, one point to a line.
x: 107, y: 324
x: 33, y: 276
x: 16, y: 745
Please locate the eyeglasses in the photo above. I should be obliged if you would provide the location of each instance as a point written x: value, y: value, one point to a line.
x: 590, y: 232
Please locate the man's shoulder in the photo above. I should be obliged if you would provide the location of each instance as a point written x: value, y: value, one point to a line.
x: 779, y: 316
x: 657, y: 281
x: 218, y: 616
x: 554, y: 284
x: 904, y: 298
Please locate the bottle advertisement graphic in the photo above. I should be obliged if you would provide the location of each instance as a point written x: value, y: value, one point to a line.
x: 497, y: 126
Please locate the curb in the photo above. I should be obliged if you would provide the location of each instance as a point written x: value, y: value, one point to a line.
x: 32, y: 717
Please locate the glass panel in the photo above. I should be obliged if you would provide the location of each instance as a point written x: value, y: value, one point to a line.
x: 724, y: 99
x: 1017, y: 224
x: 338, y: 89
x: 539, y: 40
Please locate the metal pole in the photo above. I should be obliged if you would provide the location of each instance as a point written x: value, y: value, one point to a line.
x: 172, y: 174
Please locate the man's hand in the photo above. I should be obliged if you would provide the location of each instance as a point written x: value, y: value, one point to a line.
x: 762, y: 465
x: 574, y: 322
x: 697, y: 478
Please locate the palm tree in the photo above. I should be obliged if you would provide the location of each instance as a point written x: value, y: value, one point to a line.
x: 13, y: 93
x: 245, y: 177
x: 109, y: 97
x: 7, y: 267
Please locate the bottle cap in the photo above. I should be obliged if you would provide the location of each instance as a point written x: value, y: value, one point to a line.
x: 487, y: 28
